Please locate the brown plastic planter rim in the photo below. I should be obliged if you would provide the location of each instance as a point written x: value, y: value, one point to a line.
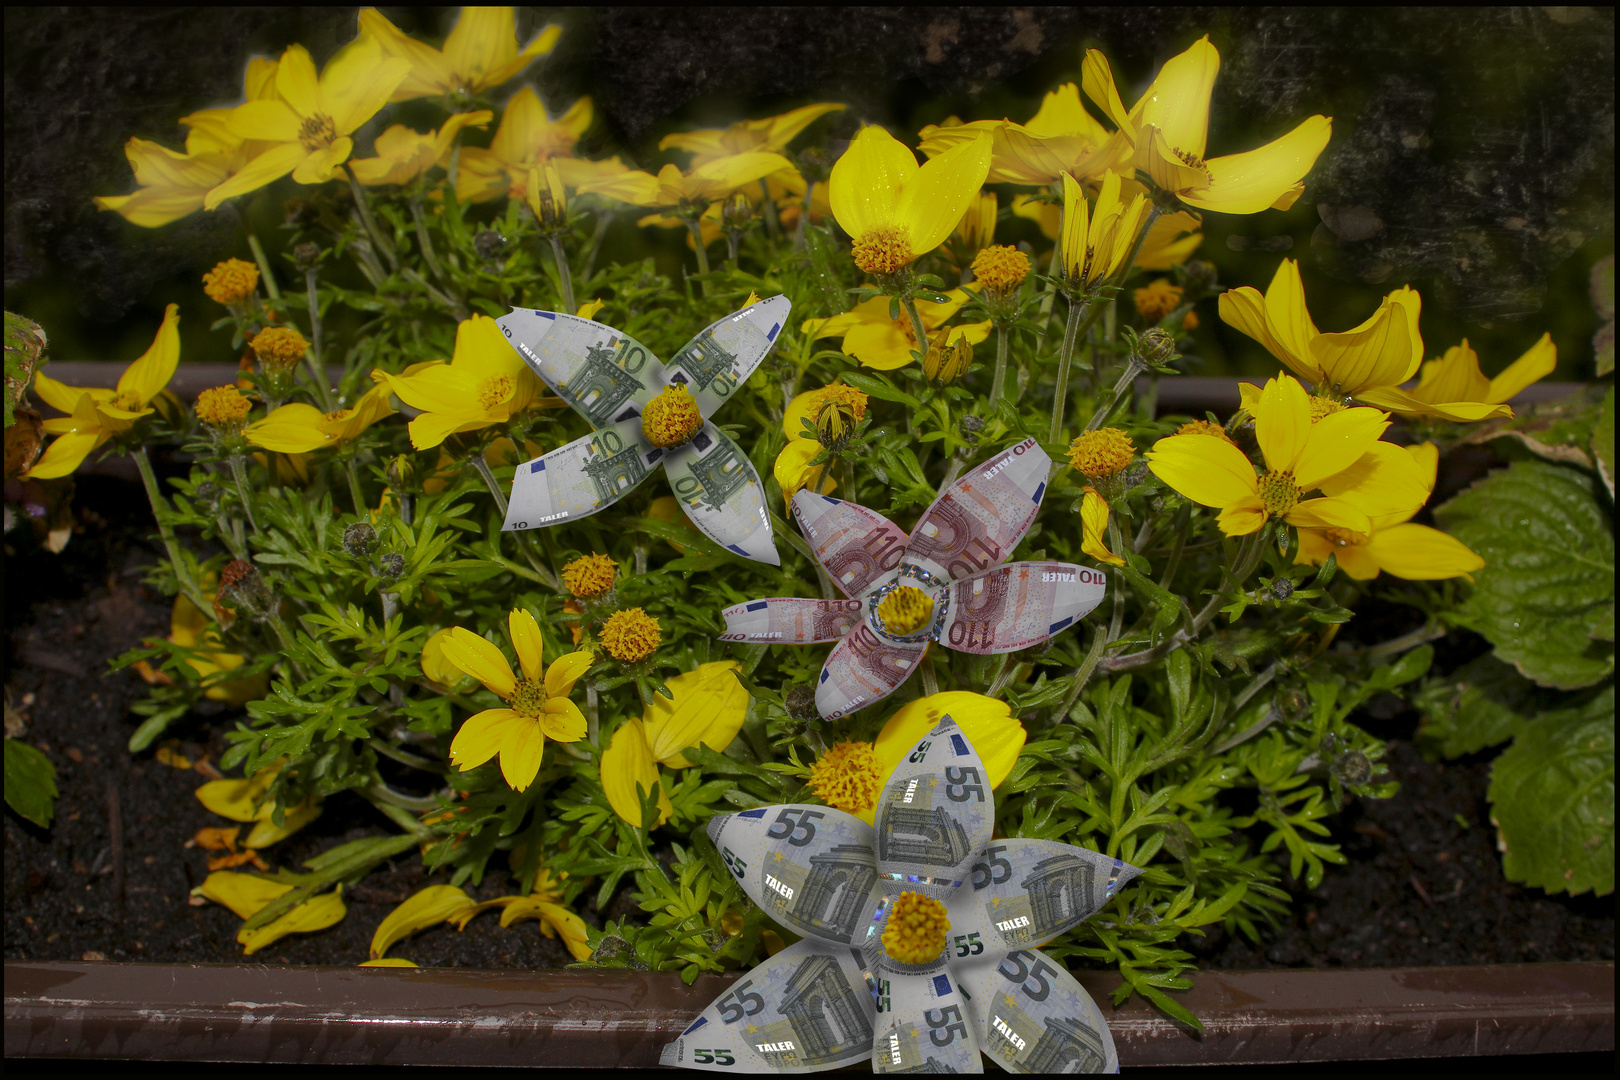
x: 575, y: 1019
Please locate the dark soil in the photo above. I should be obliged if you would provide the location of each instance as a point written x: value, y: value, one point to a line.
x: 111, y: 878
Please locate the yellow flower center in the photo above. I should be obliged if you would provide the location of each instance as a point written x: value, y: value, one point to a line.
x: 671, y: 418
x: 1278, y: 493
x: 1157, y: 300
x: 1324, y: 406
x: 905, y: 611
x: 916, y: 930
x: 529, y: 699
x: 279, y: 347
x: 1001, y: 269
x: 231, y: 282
x: 223, y: 407
x: 591, y: 575
x: 883, y: 251
x: 631, y: 635
x: 496, y: 391
x: 1204, y: 427
x: 1343, y: 538
x: 847, y: 777
x: 1101, y: 453
x: 337, y: 416
x: 128, y: 401
x: 317, y: 132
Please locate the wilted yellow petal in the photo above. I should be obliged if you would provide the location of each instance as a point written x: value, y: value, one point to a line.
x: 314, y: 914
x: 708, y: 710
x: 554, y: 919
x: 245, y: 894
x: 389, y: 962
x: 1094, y: 528
x: 265, y: 832
x: 427, y: 907
x: 988, y: 724
x: 241, y: 800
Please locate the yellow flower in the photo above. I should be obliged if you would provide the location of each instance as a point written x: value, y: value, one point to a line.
x: 1000, y: 269
x: 231, y: 282
x: 279, y: 346
x: 96, y: 415
x: 537, y: 704
x: 298, y: 428
x: 223, y: 408
x: 481, y: 52
x: 849, y: 403
x: 1157, y: 300
x: 916, y: 929
x: 403, y: 155
x: 525, y: 139
x: 191, y: 629
x: 1454, y: 388
x: 1060, y: 140
x: 1394, y: 545
x: 308, y: 126
x: 847, y: 777
x: 485, y: 383
x: 895, y: 210
x: 631, y: 635
x: 772, y: 134
x: 547, y: 196
x: 589, y: 309
x: 436, y: 666
x: 590, y: 575
x: 878, y: 341
x: 707, y: 710
x: 1369, y: 362
x: 703, y: 186
x: 1094, y: 512
x: 1205, y: 427
x: 793, y: 471
x: 1169, y: 128
x: 1097, y: 240
x: 1339, y: 454
x: 1170, y: 242
x: 1101, y: 453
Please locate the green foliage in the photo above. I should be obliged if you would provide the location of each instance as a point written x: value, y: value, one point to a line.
x: 25, y: 351
x: 30, y: 783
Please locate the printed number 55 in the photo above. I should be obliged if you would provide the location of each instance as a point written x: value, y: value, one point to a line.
x: 712, y: 1057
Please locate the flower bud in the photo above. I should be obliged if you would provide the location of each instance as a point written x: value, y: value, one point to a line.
x: 392, y: 564
x: 489, y: 244
x: 241, y: 587
x: 946, y: 363
x: 231, y: 282
x: 801, y: 703
x: 1282, y: 589
x: 401, y: 473
x: 306, y: 256
x: 279, y: 347
x: 971, y: 425
x: 1156, y: 347
x: 1352, y: 767
x: 359, y: 540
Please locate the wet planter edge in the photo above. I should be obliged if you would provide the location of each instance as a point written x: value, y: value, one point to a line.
x: 442, y: 1016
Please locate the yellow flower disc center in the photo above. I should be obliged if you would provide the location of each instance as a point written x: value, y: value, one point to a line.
x: 631, y: 635
x: 590, y: 575
x: 671, y: 418
x: 882, y: 251
x: 337, y: 416
x: 529, y: 699
x: 1324, y: 406
x: 496, y: 391
x: 279, y: 347
x: 1001, y: 269
x: 1101, y: 453
x: 1278, y: 493
x: 1204, y: 427
x: 231, y: 282
x: 222, y: 407
x: 847, y: 777
x: 317, y: 132
x: 916, y: 930
x: 905, y: 611
x: 128, y: 401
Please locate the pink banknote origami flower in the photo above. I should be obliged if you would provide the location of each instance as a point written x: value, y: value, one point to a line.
x: 942, y: 583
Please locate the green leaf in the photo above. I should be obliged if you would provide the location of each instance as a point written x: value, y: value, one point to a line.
x: 1552, y: 799
x: 879, y: 387
x: 1483, y: 703
x: 1603, y: 442
x: 1548, y: 546
x: 30, y: 783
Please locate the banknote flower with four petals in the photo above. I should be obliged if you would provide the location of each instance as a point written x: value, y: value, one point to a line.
x: 943, y: 583
x: 647, y: 414
x: 920, y: 933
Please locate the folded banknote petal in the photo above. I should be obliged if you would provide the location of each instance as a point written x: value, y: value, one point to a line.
x: 935, y: 815
x: 806, y: 1009
x: 1015, y: 606
x: 722, y: 355
x: 1023, y: 893
x: 579, y: 478
x: 788, y: 620
x: 863, y: 668
x: 922, y: 1020
x: 722, y: 495
x: 606, y: 375
x: 859, y: 548
x: 979, y: 519
x: 1032, y: 1016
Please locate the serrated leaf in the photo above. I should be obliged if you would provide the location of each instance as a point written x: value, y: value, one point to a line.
x: 1552, y: 799
x: 30, y: 783
x: 1481, y: 704
x: 1548, y: 547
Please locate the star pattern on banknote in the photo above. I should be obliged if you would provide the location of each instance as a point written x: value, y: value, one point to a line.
x: 943, y: 583
x: 647, y: 414
x: 857, y: 893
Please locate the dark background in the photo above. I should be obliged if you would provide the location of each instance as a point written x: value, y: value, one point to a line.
x: 1472, y: 154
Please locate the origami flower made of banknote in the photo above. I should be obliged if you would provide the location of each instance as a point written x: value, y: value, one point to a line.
x: 942, y: 583
x: 919, y: 934
x: 647, y: 413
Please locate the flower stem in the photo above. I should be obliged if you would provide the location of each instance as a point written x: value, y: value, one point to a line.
x: 564, y: 277
x: 1125, y: 267
x: 427, y: 244
x: 317, y: 370
x: 239, y: 474
x: 160, y: 510
x: 773, y: 228
x: 1071, y: 331
x: 363, y: 205
x: 603, y: 220
x: 264, y: 267
x: 1082, y: 674
x: 998, y: 384
x: 1133, y: 368
x: 354, y: 488
x: 382, y: 795
x: 696, y: 230
x: 388, y: 750
x: 917, y: 328
x: 546, y: 576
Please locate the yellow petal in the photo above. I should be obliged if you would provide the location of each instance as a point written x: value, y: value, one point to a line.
x: 1203, y: 468
x: 1328, y: 514
x: 935, y: 199
x: 267, y: 168
x: 297, y: 82
x: 1097, y: 79
x: 1178, y: 101
x: 1537, y: 363
x: 358, y: 81
x: 708, y: 710
x: 988, y: 724
x: 1289, y: 320
x: 1336, y: 442
x: 1282, y: 423
x: 66, y: 453
x: 482, y: 351
x: 244, y: 894
x: 267, y: 832
x: 1386, y: 483
x: 521, y: 752
x: 627, y: 763
x: 1094, y: 529
x: 1242, y: 518
x: 483, y: 736
x: 1397, y: 400
x: 389, y: 962
x: 555, y: 919
x: 589, y: 308
x: 60, y: 396
x: 562, y: 721
x: 866, y: 181
x: 526, y: 640
x: 240, y: 800
x: 294, y: 428
x: 480, y: 659
x: 320, y: 165
x: 793, y: 470
x: 1259, y: 179
x: 883, y: 346
x: 1245, y: 309
x: 1453, y: 377
x: 152, y: 372
x: 1419, y: 553
x: 1383, y: 351
x: 565, y: 671
x: 435, y: 665
x: 427, y: 907
x: 314, y: 914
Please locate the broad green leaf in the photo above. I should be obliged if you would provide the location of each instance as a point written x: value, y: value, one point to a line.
x: 1552, y: 799
x: 1483, y: 703
x: 1548, y: 581
x: 1603, y: 442
x: 30, y: 783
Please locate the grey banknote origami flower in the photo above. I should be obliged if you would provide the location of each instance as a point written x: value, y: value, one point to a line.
x: 942, y: 583
x: 920, y: 934
x: 647, y: 413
